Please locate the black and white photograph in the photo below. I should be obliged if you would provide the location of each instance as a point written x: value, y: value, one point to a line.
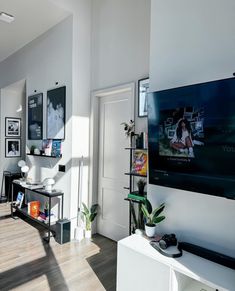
x: 35, y: 117
x: 12, y: 127
x: 143, y: 89
x: 56, y: 113
x: 12, y: 148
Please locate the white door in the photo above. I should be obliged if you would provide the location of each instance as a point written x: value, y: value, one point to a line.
x: 113, y: 221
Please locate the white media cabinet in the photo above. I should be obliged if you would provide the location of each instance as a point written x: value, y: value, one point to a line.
x: 142, y: 268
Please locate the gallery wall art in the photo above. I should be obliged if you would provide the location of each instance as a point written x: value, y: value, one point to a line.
x: 12, y: 127
x: 35, y: 117
x: 56, y: 103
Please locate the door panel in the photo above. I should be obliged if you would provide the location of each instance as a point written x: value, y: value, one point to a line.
x: 113, y: 163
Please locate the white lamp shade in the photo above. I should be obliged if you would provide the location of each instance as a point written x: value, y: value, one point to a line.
x: 21, y: 163
x: 48, y: 183
x: 25, y: 169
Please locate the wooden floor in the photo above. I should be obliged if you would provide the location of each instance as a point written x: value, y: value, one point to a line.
x: 28, y: 263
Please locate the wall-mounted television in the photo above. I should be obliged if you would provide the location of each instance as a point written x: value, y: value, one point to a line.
x: 192, y: 138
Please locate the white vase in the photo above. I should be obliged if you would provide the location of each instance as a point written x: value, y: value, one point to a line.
x: 87, y: 233
x: 150, y: 230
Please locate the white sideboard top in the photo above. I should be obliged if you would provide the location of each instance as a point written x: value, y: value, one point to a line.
x: 215, y: 275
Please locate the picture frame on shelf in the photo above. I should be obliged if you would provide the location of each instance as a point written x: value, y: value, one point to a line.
x: 56, y: 113
x: 12, y: 147
x: 12, y: 127
x: 35, y: 117
x: 143, y: 89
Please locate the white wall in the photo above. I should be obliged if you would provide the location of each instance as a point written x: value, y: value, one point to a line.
x: 42, y: 62
x: 12, y: 98
x: 193, y: 41
x: 120, y: 43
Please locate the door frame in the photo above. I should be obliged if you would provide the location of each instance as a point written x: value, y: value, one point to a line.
x: 94, y: 135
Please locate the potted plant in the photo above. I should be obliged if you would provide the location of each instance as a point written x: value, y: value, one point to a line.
x: 46, y: 209
x: 152, y: 217
x: 129, y: 129
x: 89, y: 215
x: 141, y: 184
x: 33, y: 147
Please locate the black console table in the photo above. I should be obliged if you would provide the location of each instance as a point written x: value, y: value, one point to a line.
x: 41, y: 192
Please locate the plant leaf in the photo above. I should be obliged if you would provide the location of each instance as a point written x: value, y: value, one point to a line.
x: 158, y: 219
x: 148, y: 206
x: 85, y: 209
x: 145, y: 211
x: 92, y: 216
x: 94, y: 208
x: 158, y: 210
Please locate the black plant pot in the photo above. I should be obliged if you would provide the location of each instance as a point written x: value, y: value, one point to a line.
x: 141, y: 190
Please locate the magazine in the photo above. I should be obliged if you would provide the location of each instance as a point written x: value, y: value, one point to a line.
x: 47, y: 147
x: 34, y: 208
x: 140, y: 160
x: 56, y: 148
x: 19, y: 200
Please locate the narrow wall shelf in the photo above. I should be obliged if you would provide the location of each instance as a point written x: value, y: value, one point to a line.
x: 45, y: 156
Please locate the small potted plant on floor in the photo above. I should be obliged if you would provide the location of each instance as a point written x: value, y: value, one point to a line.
x: 89, y: 215
x: 141, y: 184
x: 152, y: 217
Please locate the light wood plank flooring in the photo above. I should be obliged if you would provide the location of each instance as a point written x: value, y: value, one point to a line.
x: 28, y: 263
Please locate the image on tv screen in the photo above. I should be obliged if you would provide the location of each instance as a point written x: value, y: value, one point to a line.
x: 181, y: 131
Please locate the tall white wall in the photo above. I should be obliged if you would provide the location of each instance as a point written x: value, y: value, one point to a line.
x: 44, y: 61
x: 11, y: 100
x: 191, y: 42
x: 120, y: 44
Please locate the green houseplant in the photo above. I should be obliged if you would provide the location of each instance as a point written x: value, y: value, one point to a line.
x: 89, y: 216
x: 152, y: 217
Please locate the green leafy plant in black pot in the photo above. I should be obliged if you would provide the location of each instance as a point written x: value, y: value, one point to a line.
x: 32, y: 148
x: 152, y: 217
x: 129, y: 128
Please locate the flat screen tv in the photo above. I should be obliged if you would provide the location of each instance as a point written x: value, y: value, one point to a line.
x: 192, y: 138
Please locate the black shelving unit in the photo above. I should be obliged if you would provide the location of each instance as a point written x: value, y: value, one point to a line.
x: 135, y: 219
x: 40, y: 192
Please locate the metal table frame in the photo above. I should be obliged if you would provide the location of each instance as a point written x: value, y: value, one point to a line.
x: 50, y: 195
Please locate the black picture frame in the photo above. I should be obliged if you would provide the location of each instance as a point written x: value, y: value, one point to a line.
x: 12, y: 127
x: 35, y: 116
x: 11, y: 152
x: 56, y: 113
x: 143, y: 89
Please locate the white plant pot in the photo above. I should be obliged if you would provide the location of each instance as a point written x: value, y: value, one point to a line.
x: 87, y: 233
x: 79, y: 233
x: 150, y: 230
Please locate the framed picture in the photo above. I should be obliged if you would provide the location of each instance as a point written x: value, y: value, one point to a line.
x: 143, y: 89
x: 35, y: 117
x: 12, y: 148
x: 12, y: 127
x: 56, y: 101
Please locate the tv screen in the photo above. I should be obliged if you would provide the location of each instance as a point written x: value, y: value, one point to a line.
x: 192, y: 138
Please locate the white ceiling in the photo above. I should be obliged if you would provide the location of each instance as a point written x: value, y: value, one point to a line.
x: 32, y: 18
